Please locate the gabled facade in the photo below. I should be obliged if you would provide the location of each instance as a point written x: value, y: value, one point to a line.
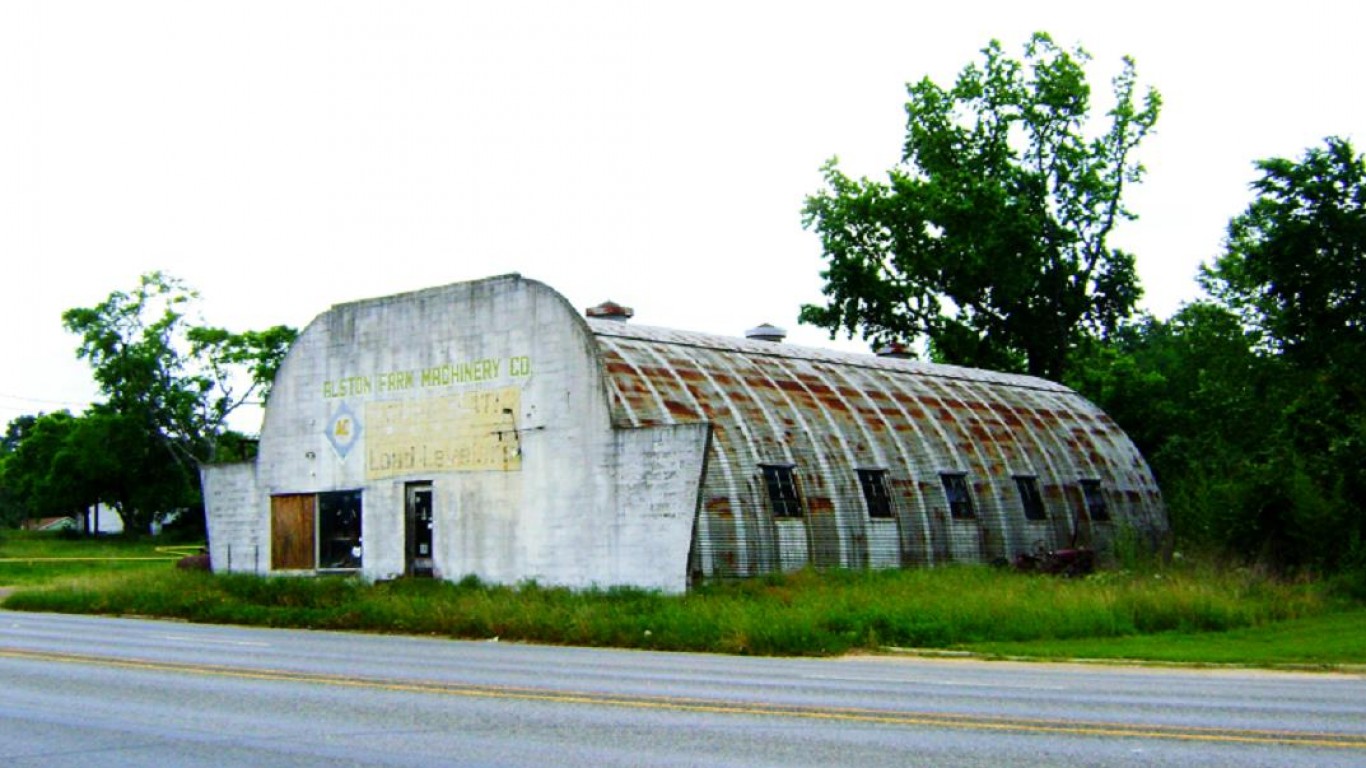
x: 488, y: 428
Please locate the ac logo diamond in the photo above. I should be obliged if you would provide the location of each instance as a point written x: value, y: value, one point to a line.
x: 343, y: 430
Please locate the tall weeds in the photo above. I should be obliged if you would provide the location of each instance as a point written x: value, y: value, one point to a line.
x: 796, y: 614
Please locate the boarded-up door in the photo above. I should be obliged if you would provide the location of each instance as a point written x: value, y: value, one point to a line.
x: 291, y: 532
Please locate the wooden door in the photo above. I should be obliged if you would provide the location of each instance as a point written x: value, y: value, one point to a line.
x: 292, y: 538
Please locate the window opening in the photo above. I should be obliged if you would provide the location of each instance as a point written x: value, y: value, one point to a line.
x: 782, y: 490
x: 339, y: 541
x: 874, y: 484
x: 1030, y: 498
x: 1095, y: 500
x: 956, y: 491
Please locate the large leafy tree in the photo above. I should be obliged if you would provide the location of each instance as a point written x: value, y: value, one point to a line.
x: 170, y: 385
x: 1295, y: 261
x: 1294, y: 268
x: 31, y: 477
x: 150, y: 360
x: 1191, y: 392
x: 990, y: 240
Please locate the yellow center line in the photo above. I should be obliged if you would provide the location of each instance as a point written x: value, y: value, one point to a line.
x: 759, y: 709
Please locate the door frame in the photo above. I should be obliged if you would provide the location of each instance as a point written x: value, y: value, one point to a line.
x: 419, y: 529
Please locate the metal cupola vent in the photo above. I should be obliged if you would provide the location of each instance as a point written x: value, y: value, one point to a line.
x: 766, y: 332
x: 610, y: 310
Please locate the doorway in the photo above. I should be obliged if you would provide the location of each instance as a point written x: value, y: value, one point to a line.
x: 419, y: 524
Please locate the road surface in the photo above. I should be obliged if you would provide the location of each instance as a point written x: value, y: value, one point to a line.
x: 94, y: 692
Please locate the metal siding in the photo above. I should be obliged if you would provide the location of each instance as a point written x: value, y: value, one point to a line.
x: 829, y: 413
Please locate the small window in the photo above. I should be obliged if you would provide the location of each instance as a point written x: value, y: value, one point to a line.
x: 339, y: 544
x: 782, y: 490
x: 956, y: 491
x: 1030, y: 498
x: 1095, y: 500
x: 874, y: 484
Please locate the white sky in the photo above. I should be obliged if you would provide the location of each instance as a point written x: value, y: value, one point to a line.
x: 285, y: 156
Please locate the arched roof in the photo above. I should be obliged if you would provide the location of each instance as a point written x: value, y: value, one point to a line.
x: 831, y: 412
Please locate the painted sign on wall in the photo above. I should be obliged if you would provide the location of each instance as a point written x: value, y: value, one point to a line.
x: 466, y: 432
x: 445, y: 375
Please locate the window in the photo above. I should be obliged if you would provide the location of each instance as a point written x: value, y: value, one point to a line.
x: 874, y: 484
x: 956, y: 491
x: 339, y: 546
x: 782, y: 490
x: 1030, y: 498
x: 1095, y: 500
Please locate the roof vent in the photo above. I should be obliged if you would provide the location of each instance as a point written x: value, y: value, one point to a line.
x: 766, y: 332
x: 895, y: 350
x: 610, y: 310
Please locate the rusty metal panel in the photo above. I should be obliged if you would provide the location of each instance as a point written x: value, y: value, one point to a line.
x: 830, y: 413
x: 292, y: 544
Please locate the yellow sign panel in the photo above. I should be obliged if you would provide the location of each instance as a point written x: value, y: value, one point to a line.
x: 468, y: 432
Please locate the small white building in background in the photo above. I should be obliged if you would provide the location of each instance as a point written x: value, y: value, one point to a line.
x: 98, y: 519
x: 488, y: 428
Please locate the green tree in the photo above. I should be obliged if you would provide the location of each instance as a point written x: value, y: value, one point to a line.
x: 1294, y: 265
x: 64, y: 465
x: 1191, y: 392
x: 170, y: 386
x: 31, y: 467
x: 1294, y: 268
x: 990, y: 239
x: 13, y: 509
x: 185, y: 380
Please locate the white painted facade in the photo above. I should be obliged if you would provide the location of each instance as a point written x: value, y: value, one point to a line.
x: 490, y: 392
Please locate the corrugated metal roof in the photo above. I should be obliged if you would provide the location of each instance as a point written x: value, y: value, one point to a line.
x: 828, y: 413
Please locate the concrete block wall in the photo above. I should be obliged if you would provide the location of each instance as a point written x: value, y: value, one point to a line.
x: 492, y: 393
x: 236, y: 538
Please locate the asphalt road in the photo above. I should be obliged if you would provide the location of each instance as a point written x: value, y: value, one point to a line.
x: 95, y: 692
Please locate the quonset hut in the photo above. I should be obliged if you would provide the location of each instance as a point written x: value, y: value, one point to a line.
x: 487, y: 428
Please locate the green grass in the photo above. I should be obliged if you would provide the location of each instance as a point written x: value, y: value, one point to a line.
x: 1190, y: 613
x: 1325, y: 641
x: 35, y: 558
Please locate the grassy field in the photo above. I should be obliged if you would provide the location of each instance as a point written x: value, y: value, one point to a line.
x: 1191, y: 613
x: 30, y: 558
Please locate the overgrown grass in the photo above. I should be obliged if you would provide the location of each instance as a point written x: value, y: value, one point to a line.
x: 1139, y: 613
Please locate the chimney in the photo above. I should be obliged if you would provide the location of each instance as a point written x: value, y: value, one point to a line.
x: 610, y: 310
x: 895, y: 350
x: 766, y: 332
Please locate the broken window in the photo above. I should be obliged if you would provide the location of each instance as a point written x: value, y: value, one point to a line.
x: 339, y: 543
x: 1030, y: 498
x: 1096, y: 508
x: 782, y: 490
x: 956, y: 491
x: 874, y: 484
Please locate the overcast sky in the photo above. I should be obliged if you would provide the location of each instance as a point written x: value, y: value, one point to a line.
x: 285, y: 156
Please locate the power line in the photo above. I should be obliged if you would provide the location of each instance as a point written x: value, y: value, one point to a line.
x: 22, y: 398
x: 30, y: 404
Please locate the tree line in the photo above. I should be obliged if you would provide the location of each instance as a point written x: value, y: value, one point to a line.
x: 987, y: 245
x: 169, y: 384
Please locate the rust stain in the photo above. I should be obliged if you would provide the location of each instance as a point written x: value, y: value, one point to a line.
x: 868, y: 411
x: 679, y: 409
